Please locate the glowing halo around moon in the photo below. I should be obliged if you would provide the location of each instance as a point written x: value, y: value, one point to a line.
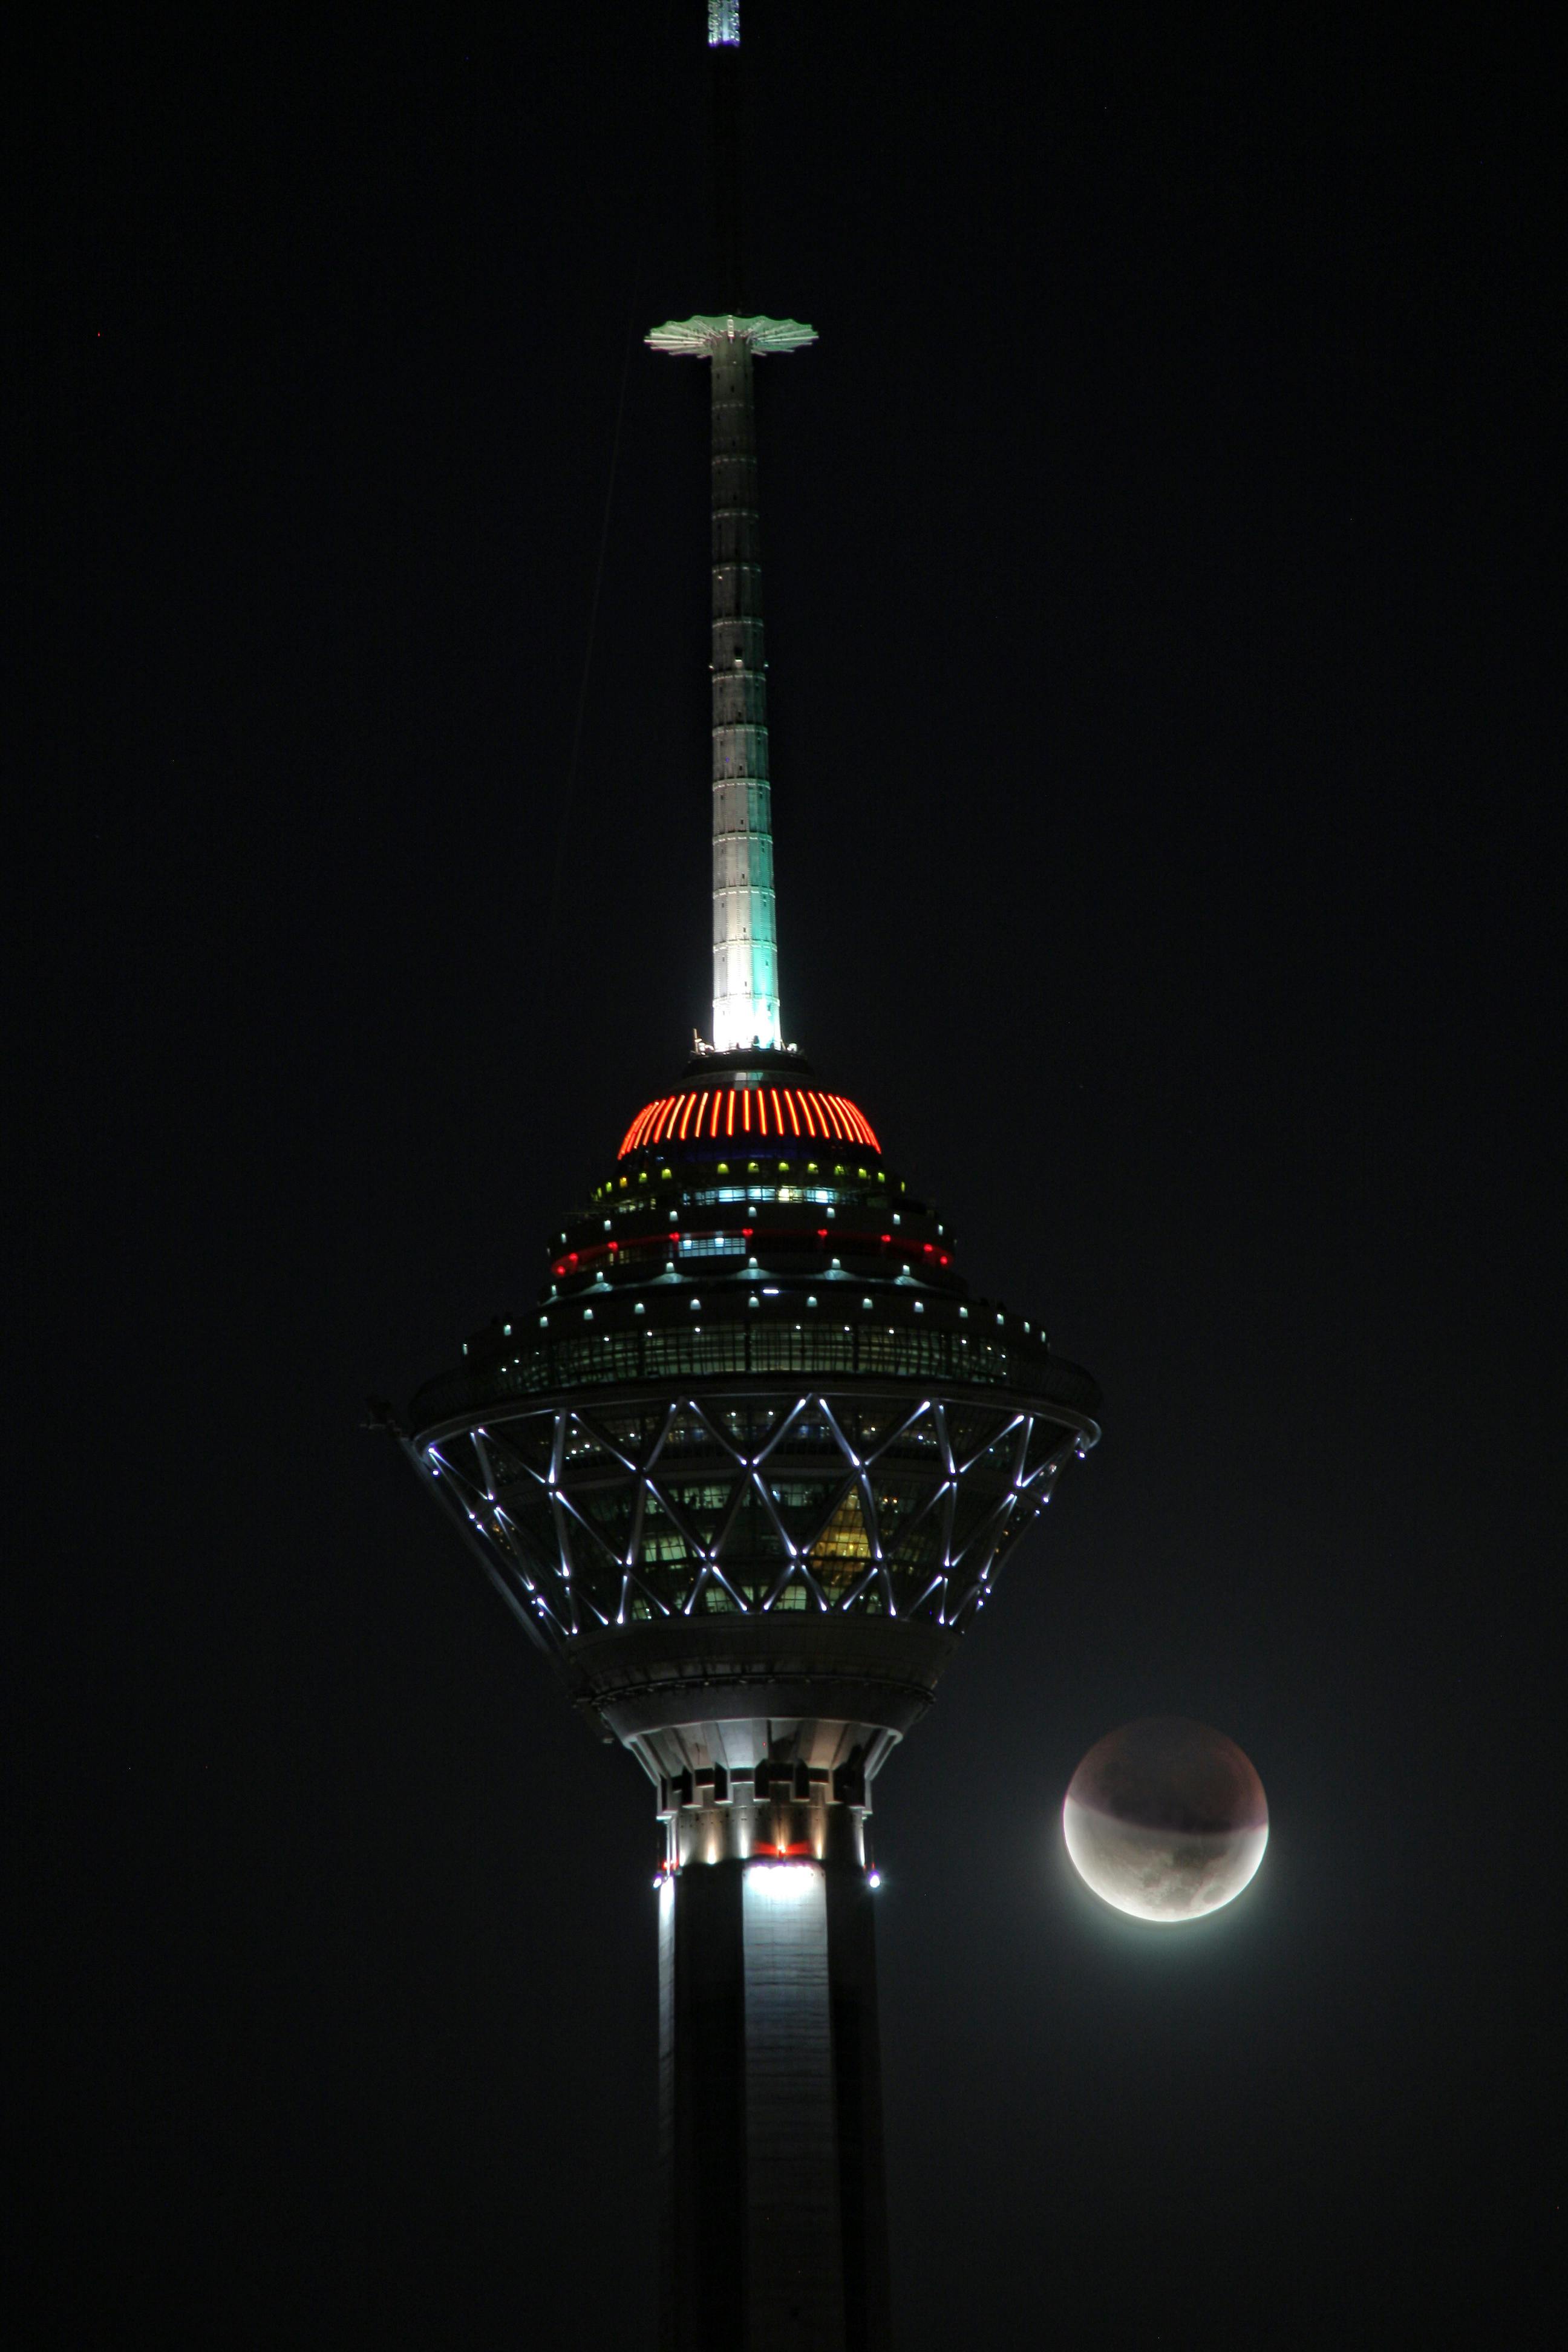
x: 1165, y: 1820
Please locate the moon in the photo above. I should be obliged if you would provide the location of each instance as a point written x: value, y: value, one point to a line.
x: 1165, y: 1820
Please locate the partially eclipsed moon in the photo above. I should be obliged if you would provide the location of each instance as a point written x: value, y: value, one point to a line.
x: 1166, y: 1820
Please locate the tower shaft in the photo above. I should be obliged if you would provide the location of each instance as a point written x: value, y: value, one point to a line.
x: 763, y: 1740
x: 773, y: 2223
x: 745, y: 933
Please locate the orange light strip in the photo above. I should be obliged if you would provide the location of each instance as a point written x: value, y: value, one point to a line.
x: 637, y: 1132
x: 851, y: 1118
x: 859, y: 1123
x: 673, y: 1118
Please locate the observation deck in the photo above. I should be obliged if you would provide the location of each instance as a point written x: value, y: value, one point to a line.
x: 755, y: 1456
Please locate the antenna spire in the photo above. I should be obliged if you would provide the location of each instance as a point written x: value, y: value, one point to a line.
x: 726, y: 153
x: 745, y: 933
x: 745, y: 930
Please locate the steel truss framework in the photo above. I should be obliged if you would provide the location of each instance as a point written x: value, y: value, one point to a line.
x: 641, y: 1508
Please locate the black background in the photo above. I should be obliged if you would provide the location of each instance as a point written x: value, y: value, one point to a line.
x: 1157, y: 574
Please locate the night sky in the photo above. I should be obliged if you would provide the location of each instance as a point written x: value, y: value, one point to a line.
x: 1157, y: 574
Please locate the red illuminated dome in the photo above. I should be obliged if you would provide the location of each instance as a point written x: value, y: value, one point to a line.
x: 786, y: 1113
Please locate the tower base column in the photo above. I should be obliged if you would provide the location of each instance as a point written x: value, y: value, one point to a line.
x: 773, y: 2223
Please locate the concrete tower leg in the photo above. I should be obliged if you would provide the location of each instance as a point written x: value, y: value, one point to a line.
x: 774, y: 2232
x: 772, y: 2208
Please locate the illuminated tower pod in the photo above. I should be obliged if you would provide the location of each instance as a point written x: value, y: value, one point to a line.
x: 746, y: 1473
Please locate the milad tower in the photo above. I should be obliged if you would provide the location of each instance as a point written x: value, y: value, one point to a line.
x: 746, y: 1473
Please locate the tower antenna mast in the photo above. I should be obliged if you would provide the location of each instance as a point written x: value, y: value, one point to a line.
x: 745, y: 923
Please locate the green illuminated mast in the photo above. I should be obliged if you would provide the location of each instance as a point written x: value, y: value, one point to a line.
x: 745, y: 926
x: 745, y: 930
